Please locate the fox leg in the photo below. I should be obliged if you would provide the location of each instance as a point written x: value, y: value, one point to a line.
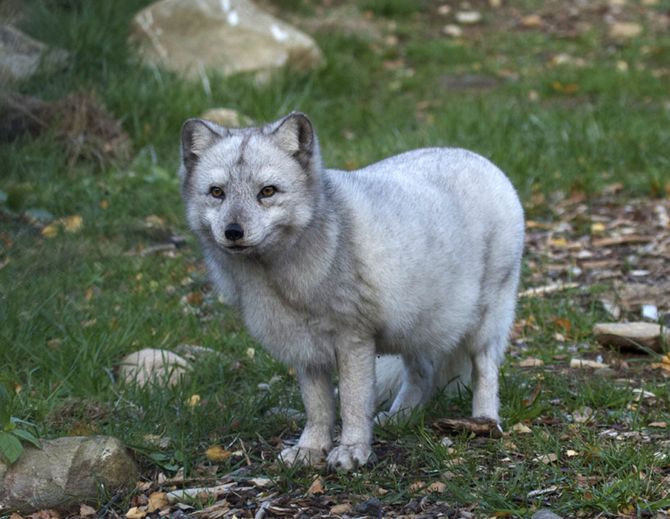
x: 356, y: 366
x: 316, y: 439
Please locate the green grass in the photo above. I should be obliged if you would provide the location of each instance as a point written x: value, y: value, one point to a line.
x: 72, y: 306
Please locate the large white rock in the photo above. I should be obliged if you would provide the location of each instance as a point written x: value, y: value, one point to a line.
x: 66, y: 472
x: 228, y: 36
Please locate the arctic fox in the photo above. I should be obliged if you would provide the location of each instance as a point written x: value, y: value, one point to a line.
x: 414, y: 259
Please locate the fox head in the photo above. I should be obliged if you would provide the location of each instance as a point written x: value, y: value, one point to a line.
x: 250, y: 190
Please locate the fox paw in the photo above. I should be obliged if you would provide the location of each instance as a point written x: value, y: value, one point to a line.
x: 347, y: 457
x: 301, y: 455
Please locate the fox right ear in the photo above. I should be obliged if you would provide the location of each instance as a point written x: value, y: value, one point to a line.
x: 197, y: 136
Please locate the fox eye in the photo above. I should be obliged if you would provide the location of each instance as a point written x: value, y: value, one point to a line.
x: 267, y: 191
x: 216, y: 192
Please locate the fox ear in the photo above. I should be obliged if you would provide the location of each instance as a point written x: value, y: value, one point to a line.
x: 295, y: 135
x: 197, y: 136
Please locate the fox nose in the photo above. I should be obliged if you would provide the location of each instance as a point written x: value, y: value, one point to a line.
x: 234, y: 232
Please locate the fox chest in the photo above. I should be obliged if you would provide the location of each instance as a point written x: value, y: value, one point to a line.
x: 294, y: 335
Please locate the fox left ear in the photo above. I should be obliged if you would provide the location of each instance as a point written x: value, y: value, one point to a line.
x: 295, y: 135
x: 197, y: 136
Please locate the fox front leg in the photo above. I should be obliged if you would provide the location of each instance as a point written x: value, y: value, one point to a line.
x: 356, y: 365
x: 317, y: 436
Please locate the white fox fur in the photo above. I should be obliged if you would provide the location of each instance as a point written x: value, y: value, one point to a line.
x: 415, y: 258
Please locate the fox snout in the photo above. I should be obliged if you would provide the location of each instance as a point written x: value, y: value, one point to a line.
x: 233, y: 232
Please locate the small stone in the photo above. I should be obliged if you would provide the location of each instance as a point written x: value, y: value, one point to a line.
x: 468, y: 17
x: 582, y: 415
x: 446, y: 442
x: 650, y: 312
x: 444, y: 10
x: 532, y: 21
x: 371, y: 507
x: 155, y: 366
x: 545, y: 514
x: 625, y: 30
x: 452, y: 30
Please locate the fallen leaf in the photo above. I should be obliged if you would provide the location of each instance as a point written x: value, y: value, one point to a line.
x: 136, y: 512
x: 85, y: 510
x: 50, y: 231
x: 217, y: 454
x: 597, y: 228
x: 157, y: 501
x: 44, y: 514
x: 417, y: 486
x: 340, y: 509
x: 72, y: 223
x: 659, y: 425
x: 437, y: 487
x: 571, y: 454
x: 521, y: 428
x: 625, y: 30
x: 316, y: 487
x: 546, y: 458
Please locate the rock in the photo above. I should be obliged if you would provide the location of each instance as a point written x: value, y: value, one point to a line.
x: 637, y: 335
x: 227, y: 36
x: 468, y: 17
x: 372, y: 507
x: 532, y: 21
x: 545, y: 514
x: 227, y: 117
x: 153, y: 366
x: 452, y: 30
x: 12, y: 11
x: 20, y: 55
x: 193, y: 352
x: 64, y: 473
x: 625, y: 30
